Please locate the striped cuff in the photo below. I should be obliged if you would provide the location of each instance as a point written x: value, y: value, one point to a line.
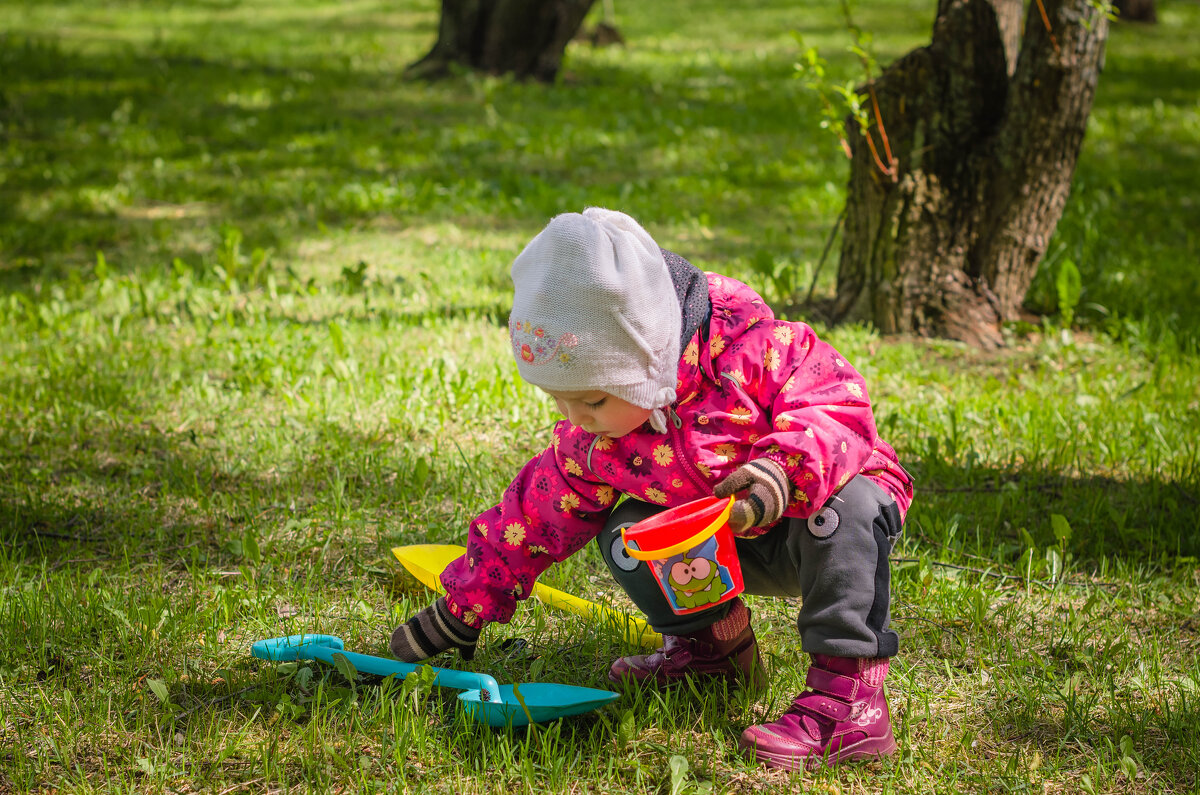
x: 432, y: 631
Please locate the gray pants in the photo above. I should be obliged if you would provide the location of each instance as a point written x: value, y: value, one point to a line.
x: 836, y: 561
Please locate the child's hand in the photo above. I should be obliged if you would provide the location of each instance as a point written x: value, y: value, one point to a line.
x: 432, y: 631
x: 767, y: 494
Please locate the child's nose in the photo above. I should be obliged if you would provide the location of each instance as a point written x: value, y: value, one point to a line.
x: 577, y: 416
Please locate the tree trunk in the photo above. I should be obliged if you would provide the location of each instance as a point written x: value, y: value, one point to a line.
x: 525, y: 38
x: 945, y: 238
x: 1136, y: 11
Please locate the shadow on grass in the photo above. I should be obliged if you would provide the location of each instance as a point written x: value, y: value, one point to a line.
x: 139, y: 487
x: 1159, y: 734
x: 980, y: 511
x: 149, y: 151
x: 121, y: 487
x: 146, y: 152
x: 1148, y: 79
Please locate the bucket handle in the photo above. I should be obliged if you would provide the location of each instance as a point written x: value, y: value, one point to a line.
x: 682, y: 546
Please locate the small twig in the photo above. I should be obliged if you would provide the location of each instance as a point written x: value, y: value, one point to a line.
x: 272, y: 507
x: 956, y: 567
x: 926, y: 541
x: 875, y: 153
x: 930, y: 543
x: 1185, y: 494
x: 1002, y: 576
x: 470, y: 467
x: 63, y: 536
x: 825, y: 254
x: 215, y: 701
x: 59, y: 564
x: 985, y: 488
x: 97, y: 558
x: 346, y: 618
x: 1046, y: 22
x: 942, y: 627
x: 240, y: 785
x: 159, y: 552
x: 887, y: 147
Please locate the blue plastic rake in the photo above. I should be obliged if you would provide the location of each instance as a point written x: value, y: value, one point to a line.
x: 485, y: 700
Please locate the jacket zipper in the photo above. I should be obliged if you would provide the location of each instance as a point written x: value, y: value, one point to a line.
x: 677, y: 443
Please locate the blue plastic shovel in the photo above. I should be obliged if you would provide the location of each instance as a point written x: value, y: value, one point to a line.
x: 484, y: 700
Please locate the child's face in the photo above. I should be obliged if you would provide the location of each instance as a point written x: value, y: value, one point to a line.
x: 599, y: 412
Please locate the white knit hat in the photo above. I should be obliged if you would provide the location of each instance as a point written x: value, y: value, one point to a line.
x: 594, y: 308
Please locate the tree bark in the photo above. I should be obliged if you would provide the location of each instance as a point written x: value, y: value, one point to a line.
x: 945, y: 239
x: 524, y: 38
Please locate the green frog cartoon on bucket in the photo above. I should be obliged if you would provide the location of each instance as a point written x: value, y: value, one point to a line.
x: 695, y: 577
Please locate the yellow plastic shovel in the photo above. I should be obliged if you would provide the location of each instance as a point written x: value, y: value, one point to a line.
x: 426, y: 562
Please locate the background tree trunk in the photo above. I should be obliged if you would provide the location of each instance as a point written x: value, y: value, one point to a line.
x: 1136, y: 11
x: 984, y: 149
x: 525, y: 38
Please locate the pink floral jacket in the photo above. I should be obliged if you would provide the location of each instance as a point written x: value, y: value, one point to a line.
x: 756, y: 387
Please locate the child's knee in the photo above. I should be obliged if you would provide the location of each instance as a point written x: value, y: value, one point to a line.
x: 861, y: 513
x: 625, y: 568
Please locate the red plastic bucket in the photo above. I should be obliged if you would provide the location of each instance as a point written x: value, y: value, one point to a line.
x: 691, y: 552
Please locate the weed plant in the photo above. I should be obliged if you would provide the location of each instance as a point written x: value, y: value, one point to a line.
x: 253, y: 288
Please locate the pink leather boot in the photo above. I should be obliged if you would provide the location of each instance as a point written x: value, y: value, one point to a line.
x: 842, y: 717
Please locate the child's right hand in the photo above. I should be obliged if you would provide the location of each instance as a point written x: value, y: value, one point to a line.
x: 767, y: 492
x: 432, y: 631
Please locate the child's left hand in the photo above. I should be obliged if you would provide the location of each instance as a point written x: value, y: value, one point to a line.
x: 768, y: 492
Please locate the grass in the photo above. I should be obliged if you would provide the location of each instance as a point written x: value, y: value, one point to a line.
x: 252, y: 295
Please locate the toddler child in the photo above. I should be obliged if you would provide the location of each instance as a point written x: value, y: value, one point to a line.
x: 675, y: 385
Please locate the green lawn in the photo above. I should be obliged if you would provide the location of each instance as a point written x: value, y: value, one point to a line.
x: 253, y: 288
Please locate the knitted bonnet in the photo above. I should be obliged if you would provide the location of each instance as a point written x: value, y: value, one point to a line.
x: 594, y: 308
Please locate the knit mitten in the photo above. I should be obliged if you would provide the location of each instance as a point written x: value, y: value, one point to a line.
x: 432, y: 631
x: 767, y: 494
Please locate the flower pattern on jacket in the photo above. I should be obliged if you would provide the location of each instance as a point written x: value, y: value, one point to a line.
x: 752, y: 387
